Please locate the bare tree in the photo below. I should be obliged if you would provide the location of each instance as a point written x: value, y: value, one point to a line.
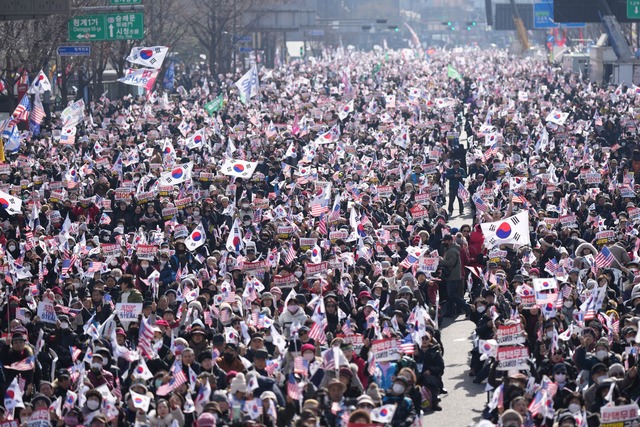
x: 214, y: 23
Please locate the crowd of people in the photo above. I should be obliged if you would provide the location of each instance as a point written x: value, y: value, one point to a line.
x: 288, y: 258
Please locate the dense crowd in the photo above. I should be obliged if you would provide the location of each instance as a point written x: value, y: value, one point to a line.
x: 196, y: 258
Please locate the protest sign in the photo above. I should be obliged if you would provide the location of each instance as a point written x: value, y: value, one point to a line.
x: 39, y: 418
x: 512, y: 357
x: 147, y: 252
x: 385, y: 350
x: 47, y: 312
x: 510, y: 334
x: 128, y: 312
x: 619, y: 416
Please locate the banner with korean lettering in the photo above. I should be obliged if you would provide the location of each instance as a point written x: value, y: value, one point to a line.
x: 510, y: 334
x: 385, y: 350
x: 619, y: 416
x: 512, y: 357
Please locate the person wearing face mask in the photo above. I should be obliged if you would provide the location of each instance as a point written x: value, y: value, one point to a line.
x: 292, y: 314
x: 229, y: 360
x: 574, y: 402
x: 599, y: 374
x: 566, y: 384
x: 97, y: 375
x: 92, y: 405
x: 405, y: 411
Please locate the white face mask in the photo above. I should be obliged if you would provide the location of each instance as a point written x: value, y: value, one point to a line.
x: 550, y: 334
x: 601, y: 378
x: 96, y: 365
x: 11, y: 247
x: 568, y: 304
x: 481, y: 308
x: 601, y: 354
x: 560, y: 378
x: 360, y: 276
x: 574, y: 408
x: 398, y: 388
x: 309, y: 356
x: 144, y: 264
x: 298, y: 274
x: 93, y: 404
x: 292, y: 308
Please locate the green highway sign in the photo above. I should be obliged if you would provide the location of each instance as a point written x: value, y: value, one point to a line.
x: 107, y: 27
x: 633, y: 9
x: 126, y: 2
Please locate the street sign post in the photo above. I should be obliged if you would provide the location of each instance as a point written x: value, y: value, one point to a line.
x: 74, y: 50
x: 107, y: 27
x: 543, y: 17
x: 633, y: 9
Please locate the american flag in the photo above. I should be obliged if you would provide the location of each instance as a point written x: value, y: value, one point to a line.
x: 346, y: 327
x: 407, y: 346
x: 293, y: 389
x: 27, y: 364
x: 66, y: 264
x: 318, y: 209
x: 463, y: 193
x: 552, y: 266
x: 480, y: 205
x: 518, y: 198
x: 272, y: 366
x: 299, y: 366
x: 605, y: 258
x: 145, y: 335
x: 21, y: 113
x: 322, y: 225
x: 37, y: 113
x: 492, y: 151
x: 291, y: 255
x: 179, y: 378
x: 536, y: 404
x: 317, y: 332
x: 95, y: 266
x: 372, y: 363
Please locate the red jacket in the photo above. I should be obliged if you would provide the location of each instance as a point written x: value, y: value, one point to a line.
x: 362, y: 371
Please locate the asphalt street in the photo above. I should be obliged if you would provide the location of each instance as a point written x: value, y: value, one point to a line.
x: 463, y: 405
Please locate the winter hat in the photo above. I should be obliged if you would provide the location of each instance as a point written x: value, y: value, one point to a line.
x: 238, y: 384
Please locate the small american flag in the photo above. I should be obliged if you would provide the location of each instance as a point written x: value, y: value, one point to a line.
x: 317, y: 332
x: 518, y: 198
x: 95, y: 266
x: 407, y: 345
x: 37, y: 113
x: 21, y: 113
x: 463, y: 193
x: 605, y: 258
x: 492, y: 151
x: 293, y: 389
x: 552, y: 266
x: 346, y: 327
x: 27, y: 364
x: 536, y: 404
x: 299, y: 366
x: 322, y: 225
x: 291, y: 254
x: 479, y: 203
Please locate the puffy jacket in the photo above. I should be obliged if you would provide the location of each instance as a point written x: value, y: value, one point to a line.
x: 286, y: 319
x: 451, y: 261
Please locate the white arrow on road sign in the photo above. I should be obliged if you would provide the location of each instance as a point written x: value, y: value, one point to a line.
x: 111, y: 30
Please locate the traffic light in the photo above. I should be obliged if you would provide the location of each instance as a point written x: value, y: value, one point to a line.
x: 473, y: 23
x: 449, y: 23
x: 468, y: 28
x: 394, y: 28
x: 301, y: 50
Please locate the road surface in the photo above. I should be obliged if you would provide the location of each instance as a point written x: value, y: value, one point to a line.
x: 463, y: 405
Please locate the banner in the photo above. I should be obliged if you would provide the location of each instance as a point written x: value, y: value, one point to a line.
x: 143, y: 77
x: 513, y: 358
x: 619, y: 416
x: 385, y: 350
x: 510, y: 334
x: 128, y: 312
x: 47, y: 312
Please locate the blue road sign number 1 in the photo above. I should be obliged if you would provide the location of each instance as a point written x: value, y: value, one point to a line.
x: 74, y: 50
